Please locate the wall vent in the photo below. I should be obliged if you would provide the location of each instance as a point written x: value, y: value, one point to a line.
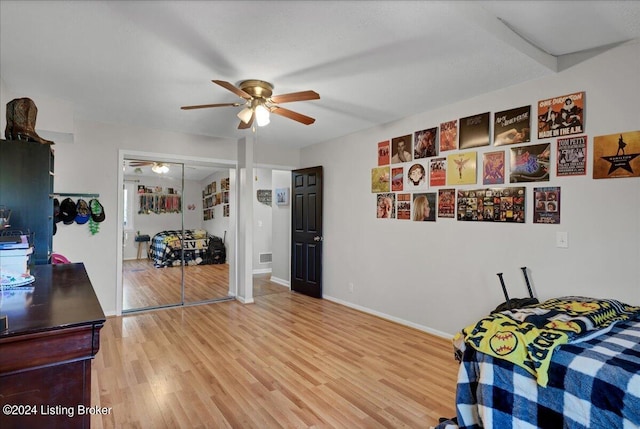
x: 265, y: 258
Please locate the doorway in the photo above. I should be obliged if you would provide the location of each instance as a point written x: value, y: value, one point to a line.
x: 306, y: 231
x: 173, y: 213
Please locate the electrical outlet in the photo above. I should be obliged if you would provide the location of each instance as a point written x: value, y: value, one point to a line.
x: 562, y: 239
x: 351, y: 287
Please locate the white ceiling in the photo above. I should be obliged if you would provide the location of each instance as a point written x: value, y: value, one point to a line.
x: 372, y: 62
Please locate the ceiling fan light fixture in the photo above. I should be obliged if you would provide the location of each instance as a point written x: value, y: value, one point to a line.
x: 262, y: 115
x: 245, y: 115
x: 160, y: 168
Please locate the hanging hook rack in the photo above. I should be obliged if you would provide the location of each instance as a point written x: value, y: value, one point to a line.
x: 75, y: 194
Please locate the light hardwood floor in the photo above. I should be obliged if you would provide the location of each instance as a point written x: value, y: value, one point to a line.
x: 286, y: 361
x: 144, y: 285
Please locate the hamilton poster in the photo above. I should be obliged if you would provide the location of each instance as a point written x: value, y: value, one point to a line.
x: 561, y: 116
x: 492, y: 205
x: 530, y: 163
x: 616, y: 155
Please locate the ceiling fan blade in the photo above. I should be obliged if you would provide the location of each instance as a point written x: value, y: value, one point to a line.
x: 243, y: 126
x: 202, y: 106
x: 295, y: 96
x: 307, y: 120
x: 231, y: 87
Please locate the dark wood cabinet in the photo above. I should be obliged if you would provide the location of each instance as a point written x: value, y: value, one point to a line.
x: 26, y: 188
x: 46, y: 353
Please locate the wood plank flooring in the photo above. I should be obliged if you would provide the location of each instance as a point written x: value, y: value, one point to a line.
x: 144, y: 286
x: 287, y: 361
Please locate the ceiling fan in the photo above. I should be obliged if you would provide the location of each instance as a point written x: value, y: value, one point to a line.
x: 156, y: 167
x: 259, y: 102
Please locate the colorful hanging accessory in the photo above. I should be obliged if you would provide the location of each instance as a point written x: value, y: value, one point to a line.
x: 97, y: 216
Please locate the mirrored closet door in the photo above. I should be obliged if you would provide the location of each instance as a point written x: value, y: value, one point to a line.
x: 168, y: 257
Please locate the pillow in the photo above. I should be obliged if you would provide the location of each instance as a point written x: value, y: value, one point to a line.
x: 199, y: 233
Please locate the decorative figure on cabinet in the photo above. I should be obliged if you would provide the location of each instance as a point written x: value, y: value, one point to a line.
x: 21, y: 121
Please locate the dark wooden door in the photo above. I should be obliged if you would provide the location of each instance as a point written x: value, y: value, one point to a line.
x: 306, y: 231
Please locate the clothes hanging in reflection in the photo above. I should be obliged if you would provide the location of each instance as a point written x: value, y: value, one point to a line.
x: 159, y: 203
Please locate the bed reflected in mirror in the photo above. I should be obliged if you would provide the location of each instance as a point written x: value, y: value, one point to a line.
x: 171, y: 255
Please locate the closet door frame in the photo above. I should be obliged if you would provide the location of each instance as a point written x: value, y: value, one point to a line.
x: 174, y: 159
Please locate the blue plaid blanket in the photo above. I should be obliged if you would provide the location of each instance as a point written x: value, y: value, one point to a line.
x: 592, y: 384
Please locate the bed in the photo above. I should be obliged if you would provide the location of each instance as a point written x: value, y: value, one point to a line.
x: 167, y: 248
x: 590, y: 378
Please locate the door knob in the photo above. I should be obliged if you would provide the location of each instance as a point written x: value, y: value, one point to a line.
x: 317, y: 238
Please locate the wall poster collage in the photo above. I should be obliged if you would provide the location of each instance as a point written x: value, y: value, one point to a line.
x: 414, y: 169
x: 211, y: 198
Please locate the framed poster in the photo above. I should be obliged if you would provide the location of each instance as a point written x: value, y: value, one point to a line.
x: 530, y: 163
x: 449, y: 135
x: 512, y: 126
x: 426, y: 143
x: 571, y: 156
x: 282, y: 197
x: 492, y: 205
x: 616, y: 155
x: 437, y: 171
x: 446, y: 203
x: 401, y: 148
x: 474, y: 131
x: 416, y: 177
x: 224, y: 184
x: 461, y: 168
x: 397, y: 179
x: 404, y: 206
x: 546, y: 205
x: 561, y: 116
x: 386, y: 205
x: 383, y: 153
x: 380, y: 179
x: 424, y: 207
x: 493, y: 168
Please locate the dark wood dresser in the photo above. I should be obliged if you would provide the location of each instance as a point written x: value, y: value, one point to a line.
x: 45, y: 354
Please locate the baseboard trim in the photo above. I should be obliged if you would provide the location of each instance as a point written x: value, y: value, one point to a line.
x: 262, y: 271
x: 244, y: 301
x: 281, y: 281
x: 390, y: 318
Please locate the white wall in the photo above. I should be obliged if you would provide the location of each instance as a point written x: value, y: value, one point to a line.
x: 442, y: 276
x: 281, y: 230
x: 262, y: 242
x: 88, y: 163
